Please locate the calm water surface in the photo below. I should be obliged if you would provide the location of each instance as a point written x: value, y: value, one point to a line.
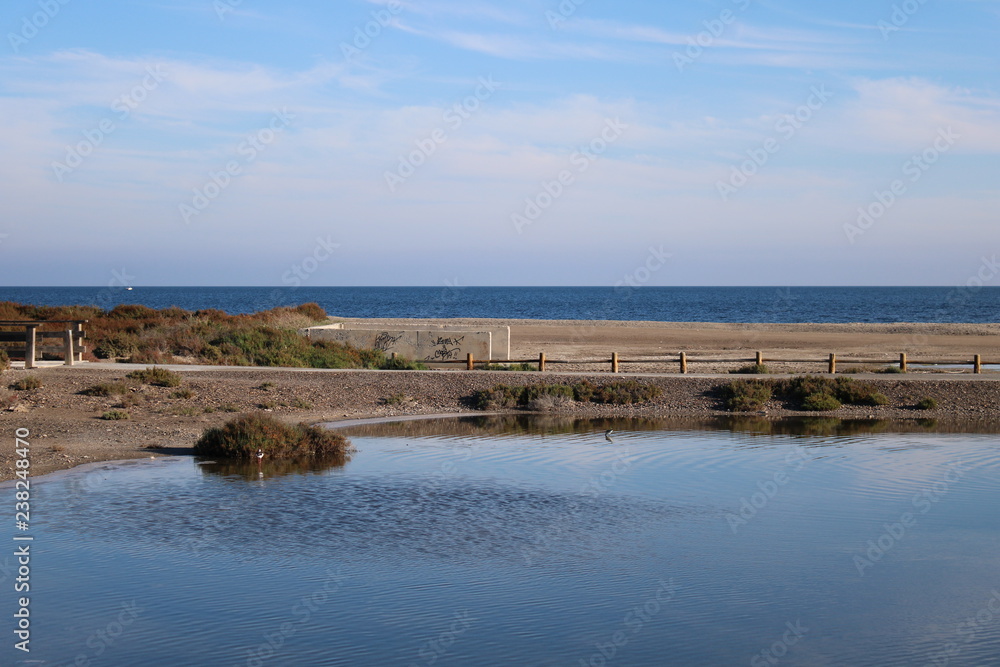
x: 519, y: 542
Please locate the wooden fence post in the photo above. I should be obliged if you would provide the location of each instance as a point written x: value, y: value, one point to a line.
x: 541, y: 362
x: 833, y: 364
x: 470, y: 362
x: 902, y: 361
x: 760, y: 359
x: 614, y: 362
x: 684, y: 362
x: 29, y: 345
x: 978, y: 364
x: 68, y: 352
x: 78, y: 332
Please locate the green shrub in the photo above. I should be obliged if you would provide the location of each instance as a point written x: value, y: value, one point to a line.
x: 396, y: 399
x: 266, y: 386
x: 890, y: 370
x: 926, y: 403
x: 115, y: 415
x: 301, y: 404
x: 820, y: 402
x: 615, y: 393
x: 241, y: 437
x: 228, y: 407
x: 27, y: 383
x: 745, y: 395
x: 510, y: 367
x: 402, y: 364
x: 4, y: 360
x: 627, y: 392
x: 106, y: 389
x: 117, y: 345
x: 156, y: 376
x: 752, y: 369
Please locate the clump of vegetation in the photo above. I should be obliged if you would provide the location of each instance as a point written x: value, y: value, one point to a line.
x: 401, y: 364
x: 267, y: 405
x: 4, y: 360
x: 503, y: 396
x: 156, y: 376
x: 926, y: 403
x: 129, y: 401
x: 745, y: 395
x: 752, y: 369
x: 183, y: 410
x: 115, y: 415
x: 820, y: 403
x: 266, y: 386
x: 890, y: 370
x: 181, y: 393
x: 807, y: 392
x: 241, y: 437
x: 227, y: 407
x: 549, y: 403
x: 396, y: 399
x: 510, y: 367
x: 8, y: 400
x: 27, y: 383
x: 301, y: 404
x: 106, y: 389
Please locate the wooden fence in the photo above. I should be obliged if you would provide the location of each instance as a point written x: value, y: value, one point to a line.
x: 682, y: 362
x: 71, y: 337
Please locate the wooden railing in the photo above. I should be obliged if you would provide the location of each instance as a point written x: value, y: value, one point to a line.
x: 682, y: 361
x: 71, y: 336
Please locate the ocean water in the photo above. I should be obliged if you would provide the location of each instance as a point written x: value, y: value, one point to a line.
x: 664, y: 304
x: 521, y: 541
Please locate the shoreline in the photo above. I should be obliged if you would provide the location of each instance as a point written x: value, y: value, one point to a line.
x: 66, y: 430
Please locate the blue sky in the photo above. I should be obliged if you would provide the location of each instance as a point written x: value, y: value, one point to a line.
x: 524, y: 142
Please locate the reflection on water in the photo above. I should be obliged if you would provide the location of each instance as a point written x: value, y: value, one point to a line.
x: 534, y: 541
x: 267, y: 468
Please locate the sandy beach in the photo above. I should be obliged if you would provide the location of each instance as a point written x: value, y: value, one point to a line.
x: 66, y: 429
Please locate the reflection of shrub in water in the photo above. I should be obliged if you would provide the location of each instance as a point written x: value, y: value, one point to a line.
x: 250, y: 470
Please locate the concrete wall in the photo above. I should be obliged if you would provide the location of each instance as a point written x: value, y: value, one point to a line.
x: 499, y: 346
x: 424, y: 345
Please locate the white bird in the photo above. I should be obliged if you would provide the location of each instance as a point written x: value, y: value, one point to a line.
x: 260, y: 454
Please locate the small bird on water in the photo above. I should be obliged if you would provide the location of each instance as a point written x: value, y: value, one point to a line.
x: 260, y: 454
x: 607, y: 434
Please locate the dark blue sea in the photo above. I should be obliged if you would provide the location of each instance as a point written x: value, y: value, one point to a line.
x: 664, y: 304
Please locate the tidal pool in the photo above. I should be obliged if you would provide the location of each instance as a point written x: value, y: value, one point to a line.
x: 531, y: 541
